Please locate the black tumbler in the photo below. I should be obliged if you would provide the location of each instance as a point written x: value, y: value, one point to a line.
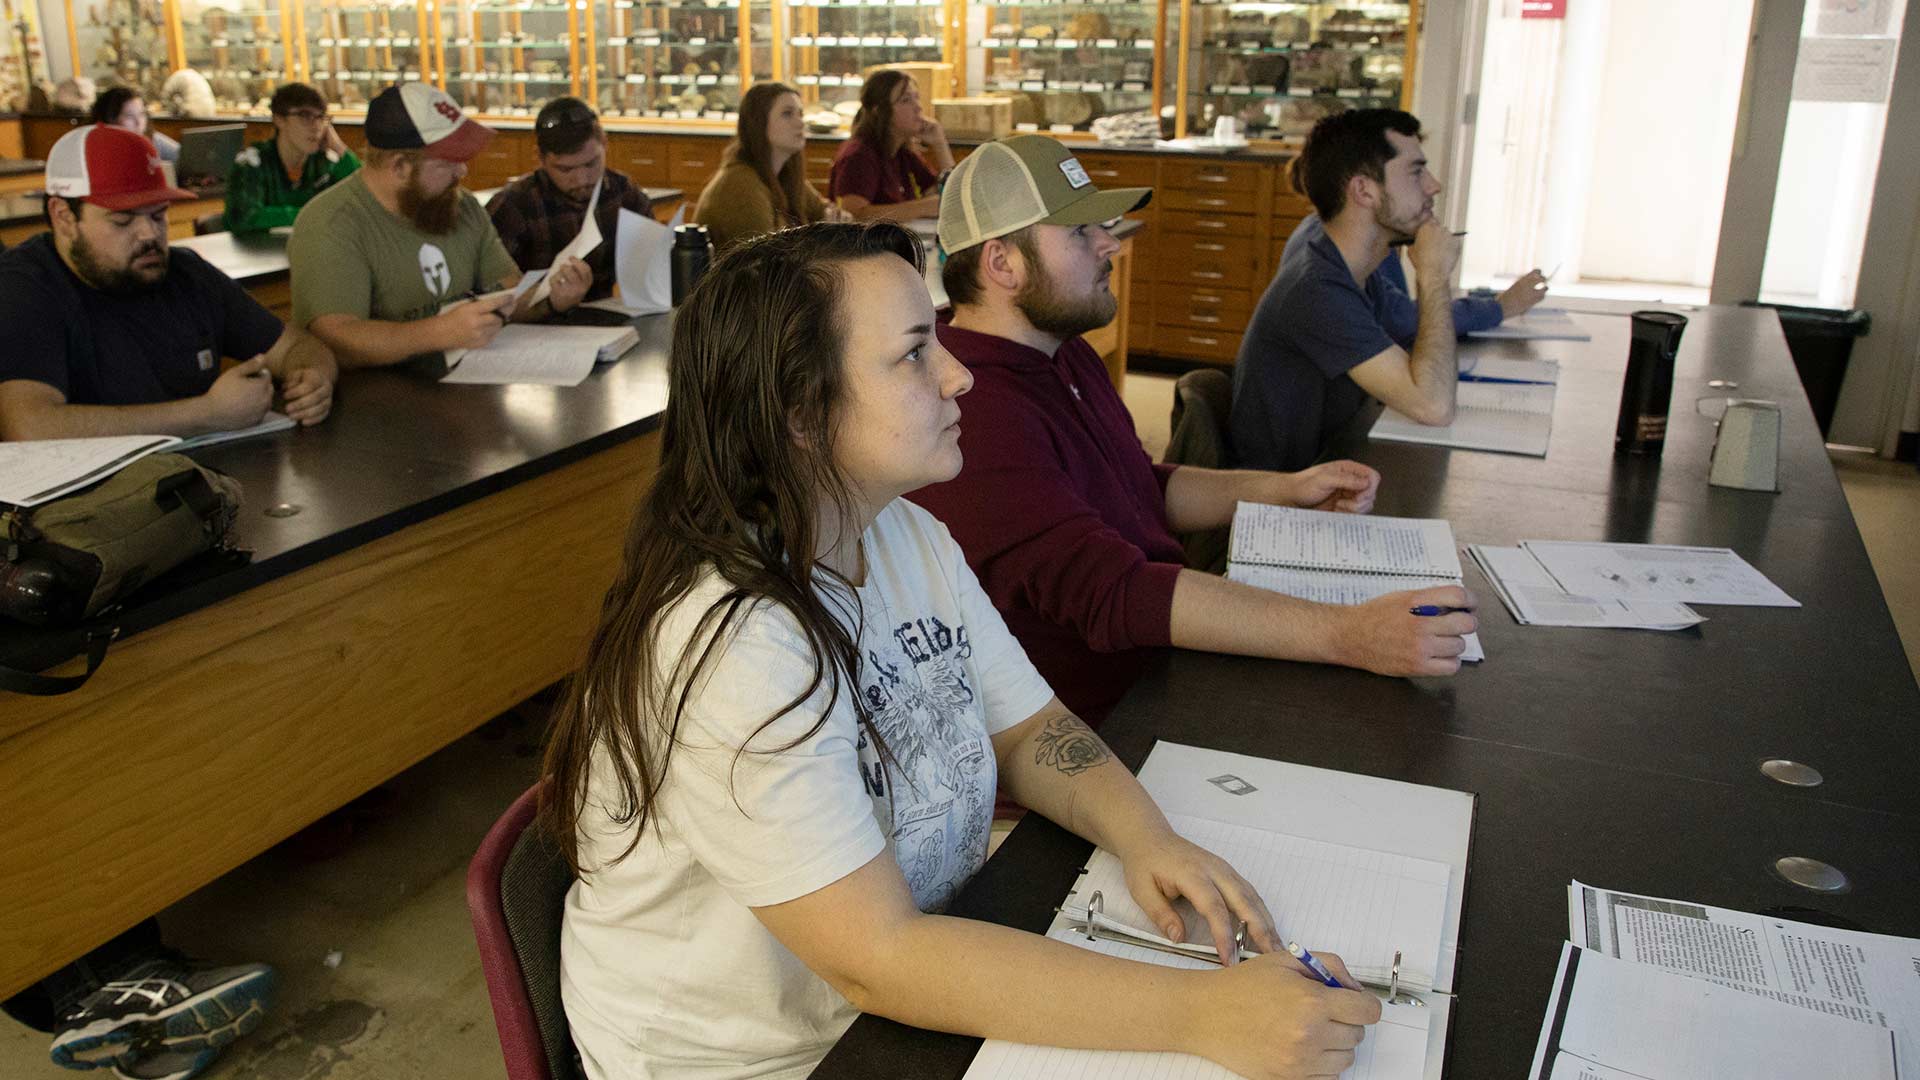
x: 1648, y: 389
x: 692, y: 251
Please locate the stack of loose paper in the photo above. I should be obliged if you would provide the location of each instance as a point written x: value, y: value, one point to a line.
x: 1506, y: 417
x: 41, y: 470
x: 1540, y: 324
x: 1852, y: 997
x: 1609, y: 1019
x: 1534, y: 598
x: 1341, y: 558
x: 1686, y: 575
x: 1362, y: 903
x: 545, y: 355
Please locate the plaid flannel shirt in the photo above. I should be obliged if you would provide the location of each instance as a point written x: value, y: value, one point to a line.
x: 536, y: 220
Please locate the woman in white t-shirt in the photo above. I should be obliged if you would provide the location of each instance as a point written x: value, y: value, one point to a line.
x: 779, y: 760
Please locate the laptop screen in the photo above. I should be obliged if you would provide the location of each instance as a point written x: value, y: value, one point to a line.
x: 206, y: 153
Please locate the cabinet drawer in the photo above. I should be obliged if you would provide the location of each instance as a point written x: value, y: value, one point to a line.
x: 1288, y: 202
x: 1203, y: 308
x: 1210, y: 203
x: 1119, y: 170
x: 1216, y: 261
x: 1220, y: 348
x: 644, y: 159
x: 1209, y: 223
x: 820, y: 163
x: 1211, y: 175
x: 692, y: 162
x: 500, y: 161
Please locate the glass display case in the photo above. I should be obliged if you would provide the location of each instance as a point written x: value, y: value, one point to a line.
x: 1065, y: 65
x: 507, y: 58
x: 355, y: 48
x: 122, y: 43
x: 831, y: 44
x: 675, y: 59
x: 239, y: 45
x: 1278, y: 67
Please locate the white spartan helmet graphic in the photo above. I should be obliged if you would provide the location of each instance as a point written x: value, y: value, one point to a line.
x: 433, y: 269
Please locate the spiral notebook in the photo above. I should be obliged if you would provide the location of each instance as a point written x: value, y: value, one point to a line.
x: 1504, y: 417
x: 1341, y: 558
x: 1370, y: 887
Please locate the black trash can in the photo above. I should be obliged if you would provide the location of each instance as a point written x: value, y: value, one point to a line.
x: 1821, y: 341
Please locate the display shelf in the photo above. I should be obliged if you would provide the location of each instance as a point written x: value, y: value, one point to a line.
x: 669, y: 60
x: 1279, y: 67
x: 830, y: 47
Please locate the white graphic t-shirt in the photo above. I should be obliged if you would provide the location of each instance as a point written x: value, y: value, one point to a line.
x: 665, y: 972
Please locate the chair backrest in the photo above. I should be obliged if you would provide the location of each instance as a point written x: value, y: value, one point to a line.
x: 516, y: 890
x: 1202, y: 404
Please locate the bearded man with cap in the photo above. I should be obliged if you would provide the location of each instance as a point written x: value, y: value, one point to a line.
x: 380, y: 257
x: 540, y: 213
x: 1064, y: 518
x: 111, y: 333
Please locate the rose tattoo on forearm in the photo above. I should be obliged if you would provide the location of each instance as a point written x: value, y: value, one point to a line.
x: 1069, y: 746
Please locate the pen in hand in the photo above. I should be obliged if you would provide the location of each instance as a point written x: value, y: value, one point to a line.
x: 1313, y: 964
x: 1436, y: 609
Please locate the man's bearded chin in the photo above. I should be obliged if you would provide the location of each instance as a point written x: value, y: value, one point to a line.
x: 432, y: 214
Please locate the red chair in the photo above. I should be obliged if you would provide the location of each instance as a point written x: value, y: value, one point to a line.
x: 516, y: 889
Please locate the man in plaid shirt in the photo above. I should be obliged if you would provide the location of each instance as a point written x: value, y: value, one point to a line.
x: 541, y: 212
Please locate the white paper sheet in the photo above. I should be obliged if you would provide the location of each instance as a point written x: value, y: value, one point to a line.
x: 1871, y: 980
x: 1621, y: 1019
x: 1535, y: 599
x: 1687, y: 575
x: 579, y: 247
x: 1540, y: 324
x: 41, y: 470
x: 545, y: 355
x: 642, y: 264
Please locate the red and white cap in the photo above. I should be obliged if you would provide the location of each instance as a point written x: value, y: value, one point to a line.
x: 415, y: 116
x: 109, y: 167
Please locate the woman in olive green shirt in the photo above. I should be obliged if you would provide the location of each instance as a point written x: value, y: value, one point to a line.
x: 763, y: 184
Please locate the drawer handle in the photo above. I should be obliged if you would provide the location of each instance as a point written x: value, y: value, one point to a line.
x: 1210, y: 275
x: 1105, y: 174
x: 1204, y: 298
x: 1198, y: 340
x: 1205, y: 224
x: 1215, y: 178
x: 1209, y: 247
x: 1203, y: 318
x: 1211, y: 202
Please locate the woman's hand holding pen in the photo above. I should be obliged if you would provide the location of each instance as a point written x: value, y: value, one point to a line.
x: 1271, y: 1019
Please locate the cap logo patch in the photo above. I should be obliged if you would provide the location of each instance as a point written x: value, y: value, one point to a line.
x: 445, y: 108
x: 1076, y: 176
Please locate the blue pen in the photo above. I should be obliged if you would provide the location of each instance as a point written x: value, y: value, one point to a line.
x: 1313, y: 964
x: 1435, y: 609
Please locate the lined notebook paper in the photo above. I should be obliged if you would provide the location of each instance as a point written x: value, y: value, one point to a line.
x: 1362, y: 905
x: 1341, y: 558
x: 1506, y: 418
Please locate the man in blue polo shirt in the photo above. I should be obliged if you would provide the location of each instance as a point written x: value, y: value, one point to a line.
x: 110, y: 333
x: 1318, y: 345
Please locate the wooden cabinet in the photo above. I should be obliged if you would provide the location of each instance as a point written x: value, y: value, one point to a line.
x: 507, y: 155
x: 691, y: 162
x: 643, y: 158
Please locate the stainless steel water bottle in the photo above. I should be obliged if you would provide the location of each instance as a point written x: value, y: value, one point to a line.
x: 1647, y: 392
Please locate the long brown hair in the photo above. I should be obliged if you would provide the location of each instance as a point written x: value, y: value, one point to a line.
x: 751, y: 148
x: 755, y: 390
x: 873, y: 124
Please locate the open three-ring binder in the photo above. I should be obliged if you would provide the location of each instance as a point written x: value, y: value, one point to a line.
x: 1372, y: 870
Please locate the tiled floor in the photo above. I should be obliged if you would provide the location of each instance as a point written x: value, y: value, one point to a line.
x: 379, y: 972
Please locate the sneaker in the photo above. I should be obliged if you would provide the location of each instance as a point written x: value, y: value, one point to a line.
x: 168, y: 1013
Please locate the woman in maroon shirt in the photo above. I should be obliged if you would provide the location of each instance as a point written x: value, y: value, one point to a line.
x: 877, y: 176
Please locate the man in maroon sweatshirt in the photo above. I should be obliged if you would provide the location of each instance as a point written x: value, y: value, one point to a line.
x: 1066, y: 520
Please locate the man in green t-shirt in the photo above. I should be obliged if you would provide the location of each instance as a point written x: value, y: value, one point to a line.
x: 379, y: 257
x: 272, y: 179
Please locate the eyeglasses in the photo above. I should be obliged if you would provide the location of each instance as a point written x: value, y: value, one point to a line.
x: 309, y: 116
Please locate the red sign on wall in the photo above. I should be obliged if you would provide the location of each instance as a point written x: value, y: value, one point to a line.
x: 1543, y: 9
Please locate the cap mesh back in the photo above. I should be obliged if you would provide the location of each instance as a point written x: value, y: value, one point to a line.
x: 995, y: 195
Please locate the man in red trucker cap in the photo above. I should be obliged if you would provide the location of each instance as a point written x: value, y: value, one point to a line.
x: 110, y: 333
x: 380, y: 258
